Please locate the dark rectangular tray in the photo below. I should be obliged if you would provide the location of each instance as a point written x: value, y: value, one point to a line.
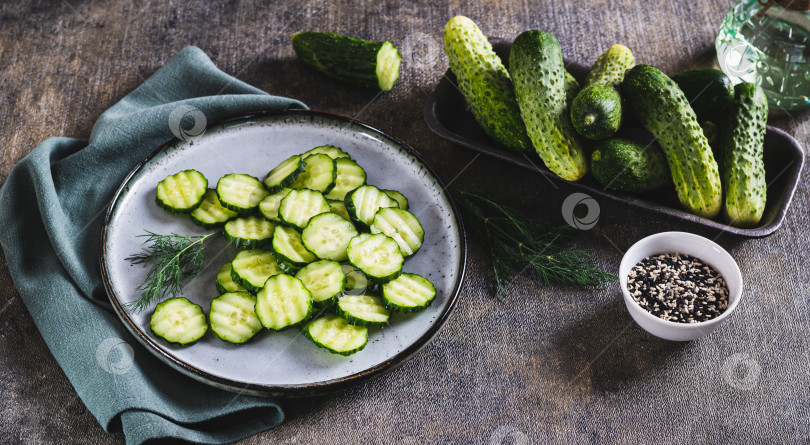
x: 448, y: 116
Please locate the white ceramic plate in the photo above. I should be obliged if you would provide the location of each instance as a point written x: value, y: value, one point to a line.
x: 281, y: 363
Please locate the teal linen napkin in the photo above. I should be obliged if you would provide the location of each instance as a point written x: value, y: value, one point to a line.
x: 51, y: 210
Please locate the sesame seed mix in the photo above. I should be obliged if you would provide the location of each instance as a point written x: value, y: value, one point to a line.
x: 678, y: 288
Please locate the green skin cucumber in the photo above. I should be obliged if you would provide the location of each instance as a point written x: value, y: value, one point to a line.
x: 536, y: 66
x: 596, y: 112
x: 657, y: 102
x: 349, y: 59
x: 742, y: 148
x: 610, y: 67
x: 625, y: 165
x: 709, y: 92
x: 485, y: 84
x: 571, y: 88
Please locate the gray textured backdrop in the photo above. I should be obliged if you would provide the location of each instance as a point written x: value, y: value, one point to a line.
x: 549, y: 364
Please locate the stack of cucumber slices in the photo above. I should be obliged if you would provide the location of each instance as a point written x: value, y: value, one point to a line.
x: 318, y: 247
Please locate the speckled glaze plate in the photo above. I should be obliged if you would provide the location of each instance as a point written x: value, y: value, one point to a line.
x: 282, y: 363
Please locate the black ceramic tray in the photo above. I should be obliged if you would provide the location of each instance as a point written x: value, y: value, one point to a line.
x: 448, y: 115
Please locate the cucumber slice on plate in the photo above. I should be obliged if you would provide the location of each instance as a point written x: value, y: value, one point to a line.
x: 324, y: 279
x: 225, y: 282
x: 210, y: 214
x: 336, y: 335
x: 249, y: 232
x: 363, y: 310
x: 364, y: 201
x: 339, y: 207
x: 178, y: 320
x: 181, y: 192
x: 408, y: 293
x: 319, y: 174
x: 284, y: 301
x: 376, y: 255
x: 402, y: 226
x: 251, y: 268
x: 300, y: 205
x: 349, y: 177
x: 288, y: 247
x: 233, y: 317
x: 268, y: 206
x: 399, y: 198
x: 284, y: 174
x: 240, y: 193
x: 327, y: 236
x: 329, y: 150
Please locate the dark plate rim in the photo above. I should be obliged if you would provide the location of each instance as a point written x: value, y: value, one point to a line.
x: 302, y: 389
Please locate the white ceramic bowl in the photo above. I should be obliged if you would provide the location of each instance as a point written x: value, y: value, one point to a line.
x: 689, y: 244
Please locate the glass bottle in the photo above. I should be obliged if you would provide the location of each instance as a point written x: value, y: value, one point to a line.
x: 768, y: 43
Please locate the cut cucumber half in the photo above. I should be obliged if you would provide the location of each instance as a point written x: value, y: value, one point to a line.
x: 363, y: 310
x: 339, y: 207
x: 233, y: 317
x: 284, y: 301
x: 181, y: 192
x: 402, y: 226
x: 399, y: 198
x: 319, y: 174
x: 249, y: 232
x: 349, y: 177
x: 288, y: 247
x: 240, y: 193
x: 356, y: 281
x: 327, y: 236
x: 408, y: 293
x: 210, y: 214
x: 363, y: 203
x: 251, y: 268
x: 377, y: 255
x: 324, y: 279
x: 268, y: 206
x: 300, y: 205
x: 284, y: 174
x: 178, y: 320
x: 225, y: 282
x: 336, y: 335
x: 328, y: 150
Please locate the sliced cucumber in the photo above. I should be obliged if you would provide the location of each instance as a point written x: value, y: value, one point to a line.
x: 349, y: 177
x: 251, y: 268
x: 225, y: 282
x: 399, y: 198
x: 300, y: 205
x: 377, y: 255
x: 284, y: 174
x: 268, y: 206
x: 181, y: 192
x: 233, y: 317
x: 284, y: 301
x: 249, y: 232
x: 339, y: 207
x: 356, y: 281
x: 178, y: 320
x: 329, y: 150
x: 210, y: 214
x: 408, y: 293
x: 402, y: 226
x: 240, y: 193
x: 336, y: 335
x: 363, y: 310
x: 288, y: 268
x: 288, y: 247
x: 324, y: 279
x: 319, y: 174
x: 327, y: 236
x: 363, y: 203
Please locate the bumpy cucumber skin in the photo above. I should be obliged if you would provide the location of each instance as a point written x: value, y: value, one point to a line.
x: 625, y: 165
x: 743, y: 166
x: 485, y: 84
x: 657, y: 102
x: 346, y: 58
x: 596, y: 112
x: 572, y: 88
x: 709, y: 92
x: 536, y: 66
x: 610, y: 67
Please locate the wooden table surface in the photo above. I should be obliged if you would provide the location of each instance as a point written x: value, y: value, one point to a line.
x: 547, y: 364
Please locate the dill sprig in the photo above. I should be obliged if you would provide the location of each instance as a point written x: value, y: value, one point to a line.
x: 174, y: 258
x: 518, y: 243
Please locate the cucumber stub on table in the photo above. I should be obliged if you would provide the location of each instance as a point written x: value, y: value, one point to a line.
x: 365, y: 63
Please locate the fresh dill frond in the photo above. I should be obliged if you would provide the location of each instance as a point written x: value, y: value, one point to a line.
x: 518, y: 244
x: 173, y: 258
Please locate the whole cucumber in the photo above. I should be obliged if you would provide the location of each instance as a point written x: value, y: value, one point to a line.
x: 657, y: 102
x: 485, y: 84
x: 742, y: 148
x: 536, y: 66
x: 622, y: 164
x: 610, y: 67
